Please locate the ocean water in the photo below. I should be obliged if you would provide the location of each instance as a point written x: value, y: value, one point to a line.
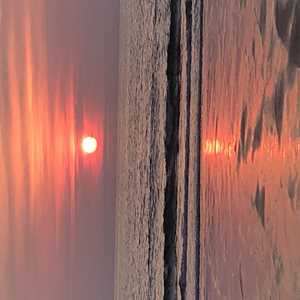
x: 157, y: 239
x: 250, y: 150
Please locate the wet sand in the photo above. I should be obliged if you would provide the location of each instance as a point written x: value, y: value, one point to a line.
x: 250, y: 152
x: 210, y: 213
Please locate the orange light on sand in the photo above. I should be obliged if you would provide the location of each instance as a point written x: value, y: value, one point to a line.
x: 218, y: 147
x: 89, y: 145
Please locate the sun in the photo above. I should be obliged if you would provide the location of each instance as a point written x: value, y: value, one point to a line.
x: 89, y: 145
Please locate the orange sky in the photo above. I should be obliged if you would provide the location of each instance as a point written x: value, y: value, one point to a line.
x: 56, y: 85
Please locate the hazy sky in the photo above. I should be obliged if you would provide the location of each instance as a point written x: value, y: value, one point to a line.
x: 58, y: 82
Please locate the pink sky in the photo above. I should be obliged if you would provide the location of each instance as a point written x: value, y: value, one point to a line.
x: 58, y: 82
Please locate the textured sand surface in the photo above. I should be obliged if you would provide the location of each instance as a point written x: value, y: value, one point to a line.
x: 250, y: 189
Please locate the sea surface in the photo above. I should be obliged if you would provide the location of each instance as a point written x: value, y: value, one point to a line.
x: 157, y: 221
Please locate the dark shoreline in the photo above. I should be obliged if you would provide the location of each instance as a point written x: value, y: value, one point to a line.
x: 158, y: 247
x: 177, y: 226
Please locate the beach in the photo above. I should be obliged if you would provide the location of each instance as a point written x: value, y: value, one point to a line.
x: 208, y: 188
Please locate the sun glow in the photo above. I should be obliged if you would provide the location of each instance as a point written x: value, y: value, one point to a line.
x: 89, y: 145
x: 218, y: 147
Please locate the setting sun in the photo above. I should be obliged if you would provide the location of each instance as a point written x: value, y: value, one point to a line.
x: 89, y: 145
